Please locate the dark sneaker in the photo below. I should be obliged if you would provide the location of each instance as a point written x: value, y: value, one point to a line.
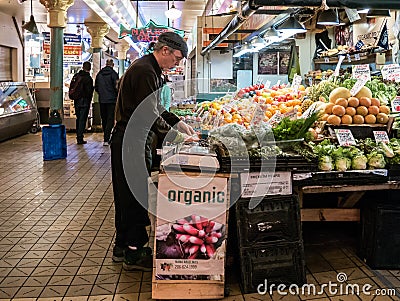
x: 81, y: 142
x: 118, y: 254
x: 140, y: 259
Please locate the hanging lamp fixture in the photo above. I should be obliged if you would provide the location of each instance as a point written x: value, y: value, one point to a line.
x: 173, y: 13
x: 31, y: 25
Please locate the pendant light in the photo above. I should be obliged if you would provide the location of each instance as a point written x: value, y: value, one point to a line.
x: 328, y: 17
x: 31, y: 25
x: 173, y: 13
x: 291, y: 25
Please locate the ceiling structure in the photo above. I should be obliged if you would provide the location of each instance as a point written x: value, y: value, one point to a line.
x: 83, y: 11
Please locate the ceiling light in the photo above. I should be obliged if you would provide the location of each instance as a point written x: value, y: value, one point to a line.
x: 328, y: 17
x: 31, y: 25
x: 272, y: 32
x: 257, y: 42
x: 246, y: 48
x: 291, y: 25
x: 378, y: 13
x: 173, y: 13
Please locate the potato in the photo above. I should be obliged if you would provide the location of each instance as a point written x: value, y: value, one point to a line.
x: 361, y: 110
x: 328, y: 108
x: 384, y: 109
x: 333, y: 119
x: 351, y: 111
x: 353, y: 102
x: 374, y: 110
x: 347, y: 119
x: 382, y: 118
x: 358, y: 119
x: 341, y: 102
x: 370, y: 119
x: 365, y: 101
x: 375, y: 102
x: 338, y: 110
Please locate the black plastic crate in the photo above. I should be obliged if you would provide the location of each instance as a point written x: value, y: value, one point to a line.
x: 281, y: 263
x: 276, y: 218
x: 380, y: 235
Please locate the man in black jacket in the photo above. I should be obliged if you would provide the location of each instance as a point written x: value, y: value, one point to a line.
x: 138, y: 96
x: 106, y: 86
x: 82, y: 105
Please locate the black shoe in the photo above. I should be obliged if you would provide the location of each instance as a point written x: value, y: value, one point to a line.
x: 140, y: 259
x: 81, y: 142
x: 118, y: 254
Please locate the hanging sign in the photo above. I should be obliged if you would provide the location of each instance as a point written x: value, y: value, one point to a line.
x: 72, y: 48
x: 149, y: 33
x: 358, y: 85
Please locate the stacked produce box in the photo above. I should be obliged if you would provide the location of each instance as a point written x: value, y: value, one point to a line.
x: 270, y: 243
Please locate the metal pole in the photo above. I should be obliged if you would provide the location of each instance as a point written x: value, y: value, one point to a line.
x: 56, y: 72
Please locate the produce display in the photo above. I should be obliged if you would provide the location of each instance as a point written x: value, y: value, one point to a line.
x: 366, y: 155
x: 362, y: 108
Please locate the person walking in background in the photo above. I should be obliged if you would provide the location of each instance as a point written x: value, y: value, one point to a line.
x: 106, y: 86
x: 82, y: 104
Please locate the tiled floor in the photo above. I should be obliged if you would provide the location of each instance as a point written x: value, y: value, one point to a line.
x: 56, y: 233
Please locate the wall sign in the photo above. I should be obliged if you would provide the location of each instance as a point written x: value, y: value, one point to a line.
x: 149, y: 33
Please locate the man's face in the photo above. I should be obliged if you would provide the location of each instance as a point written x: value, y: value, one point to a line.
x: 172, y: 58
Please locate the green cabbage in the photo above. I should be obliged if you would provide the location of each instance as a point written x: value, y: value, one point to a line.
x: 342, y: 163
x: 325, y: 163
x: 359, y: 162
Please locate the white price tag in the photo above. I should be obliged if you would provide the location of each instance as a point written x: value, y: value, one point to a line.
x: 396, y: 104
x: 337, y: 69
x: 345, y: 137
x: 357, y: 57
x: 391, y: 72
x: 296, y: 83
x: 258, y: 116
x: 360, y: 71
x: 381, y: 136
x: 358, y: 85
x: 275, y: 119
x: 266, y: 183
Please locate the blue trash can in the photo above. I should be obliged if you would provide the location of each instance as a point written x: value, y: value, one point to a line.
x: 54, y: 141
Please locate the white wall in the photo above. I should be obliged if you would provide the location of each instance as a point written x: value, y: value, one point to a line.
x: 306, y: 53
x: 9, y: 38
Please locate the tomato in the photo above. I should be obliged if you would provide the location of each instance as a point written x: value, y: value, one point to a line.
x: 262, y: 86
x: 247, y: 90
x: 289, y: 96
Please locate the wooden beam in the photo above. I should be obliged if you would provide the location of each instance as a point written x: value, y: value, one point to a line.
x: 330, y: 215
x: 351, y: 199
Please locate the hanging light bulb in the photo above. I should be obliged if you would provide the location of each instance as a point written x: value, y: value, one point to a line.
x: 31, y: 24
x: 173, y: 13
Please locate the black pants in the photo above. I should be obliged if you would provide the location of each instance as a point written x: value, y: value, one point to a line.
x: 131, y: 218
x: 81, y: 113
x: 107, y: 119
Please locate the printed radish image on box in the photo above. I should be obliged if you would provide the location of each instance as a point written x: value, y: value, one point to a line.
x: 191, y: 228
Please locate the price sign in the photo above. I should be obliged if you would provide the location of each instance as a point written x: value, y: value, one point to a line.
x: 381, y: 136
x: 358, y: 85
x: 341, y: 59
x: 296, y: 83
x: 391, y: 72
x: 258, y: 116
x: 357, y: 57
x: 345, y: 137
x: 275, y: 119
x: 396, y: 104
x: 361, y: 71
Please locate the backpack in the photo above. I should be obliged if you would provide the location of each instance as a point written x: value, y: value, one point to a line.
x: 75, y: 87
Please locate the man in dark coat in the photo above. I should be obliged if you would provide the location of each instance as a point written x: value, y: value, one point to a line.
x: 82, y: 105
x: 106, y: 86
x: 139, y: 96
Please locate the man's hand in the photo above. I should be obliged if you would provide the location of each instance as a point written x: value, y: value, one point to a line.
x: 185, y: 128
x: 193, y: 138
